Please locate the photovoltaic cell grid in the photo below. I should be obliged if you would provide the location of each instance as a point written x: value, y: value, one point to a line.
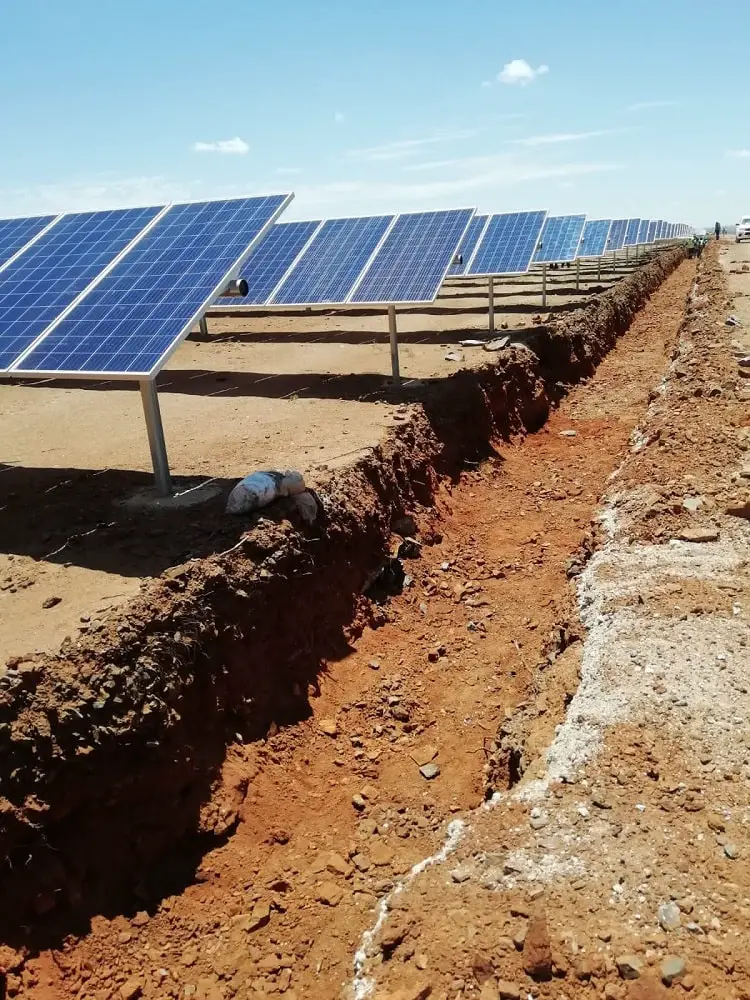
x: 594, y: 241
x: 643, y: 231
x: 414, y: 258
x: 560, y: 238
x: 631, y: 233
x: 617, y: 234
x: 468, y: 243
x: 271, y: 259
x: 652, y: 227
x: 508, y: 244
x: 129, y: 323
x: 328, y: 270
x: 16, y: 233
x: 51, y: 274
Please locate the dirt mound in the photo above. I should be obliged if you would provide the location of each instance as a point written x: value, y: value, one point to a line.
x: 109, y: 750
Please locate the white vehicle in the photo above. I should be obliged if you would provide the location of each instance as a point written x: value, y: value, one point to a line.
x: 743, y: 229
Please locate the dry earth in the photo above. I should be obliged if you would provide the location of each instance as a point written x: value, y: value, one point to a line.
x: 609, y: 797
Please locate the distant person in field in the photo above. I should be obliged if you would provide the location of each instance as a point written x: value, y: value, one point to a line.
x: 717, y: 230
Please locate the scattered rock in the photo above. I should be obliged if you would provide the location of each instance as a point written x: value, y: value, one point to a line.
x: 424, y: 755
x: 358, y: 802
x: 731, y: 851
x: 672, y: 968
x: 336, y: 865
x: 329, y: 727
x: 429, y: 771
x: 484, y: 970
x: 716, y: 823
x: 699, y: 535
x: 629, y: 966
x: 140, y: 919
x: 507, y: 991
x: 537, y: 949
x: 568, y: 434
x: 380, y: 854
x: 131, y: 989
x: 692, y: 504
x: 328, y: 893
x: 50, y: 602
x: 259, y: 917
x: 669, y: 916
x: 419, y: 991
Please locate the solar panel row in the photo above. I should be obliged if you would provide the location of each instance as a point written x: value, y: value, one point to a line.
x: 561, y: 237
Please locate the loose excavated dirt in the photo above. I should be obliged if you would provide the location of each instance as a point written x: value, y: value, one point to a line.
x: 375, y: 735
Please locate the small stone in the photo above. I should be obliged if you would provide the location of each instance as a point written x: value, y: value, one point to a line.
x: 50, y: 602
x: 381, y: 854
x: 716, y: 823
x: 140, y: 919
x: 421, y: 962
x: 429, y: 771
x: 328, y: 893
x: 259, y: 917
x: 507, y: 991
x: 460, y: 875
x: 568, y: 434
x: 692, y: 504
x: 131, y: 989
x: 358, y: 802
x: 424, y: 755
x: 629, y: 966
x: 373, y: 665
x: 328, y: 727
x: 699, y: 535
x: 688, y: 983
x: 669, y: 916
x: 731, y: 851
x: 537, y: 949
x: 672, y: 968
x: 336, y: 865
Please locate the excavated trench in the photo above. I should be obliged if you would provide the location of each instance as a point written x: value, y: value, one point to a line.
x: 110, y: 750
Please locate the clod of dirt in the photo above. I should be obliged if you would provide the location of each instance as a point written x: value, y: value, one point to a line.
x: 537, y: 949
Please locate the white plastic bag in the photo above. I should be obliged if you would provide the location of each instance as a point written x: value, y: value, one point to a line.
x: 260, y: 488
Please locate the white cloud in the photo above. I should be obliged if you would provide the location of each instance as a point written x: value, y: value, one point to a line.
x: 739, y: 154
x: 339, y: 117
x: 518, y: 71
x: 404, y: 148
x: 650, y: 105
x: 228, y: 147
x: 555, y: 137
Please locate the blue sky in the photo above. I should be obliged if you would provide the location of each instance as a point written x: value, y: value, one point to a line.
x: 613, y: 109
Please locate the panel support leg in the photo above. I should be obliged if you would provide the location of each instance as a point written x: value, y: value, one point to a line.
x: 392, y: 329
x: 599, y: 268
x: 578, y: 274
x: 203, y: 322
x: 491, y: 309
x: 156, y: 441
x: 544, y: 286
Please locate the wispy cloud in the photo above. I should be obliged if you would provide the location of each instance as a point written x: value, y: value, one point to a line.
x: 339, y: 117
x: 739, y: 154
x: 227, y: 147
x: 652, y: 105
x: 404, y: 148
x: 518, y: 72
x: 553, y: 138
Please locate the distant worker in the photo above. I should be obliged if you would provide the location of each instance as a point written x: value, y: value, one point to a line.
x: 717, y: 230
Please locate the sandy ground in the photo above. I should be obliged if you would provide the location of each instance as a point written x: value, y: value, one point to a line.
x: 472, y: 672
x: 284, y: 390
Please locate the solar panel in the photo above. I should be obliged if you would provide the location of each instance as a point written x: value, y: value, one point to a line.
x: 661, y: 233
x: 48, y: 276
x: 594, y: 241
x: 560, y: 238
x: 651, y: 235
x: 271, y: 259
x: 137, y: 314
x: 329, y: 268
x: 414, y: 258
x: 15, y: 234
x: 631, y: 233
x: 468, y: 244
x: 643, y: 231
x: 617, y: 234
x: 508, y: 244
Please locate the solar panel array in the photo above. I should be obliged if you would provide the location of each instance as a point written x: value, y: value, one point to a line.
x: 507, y: 244
x: 595, y: 236
x: 468, y: 244
x: 329, y: 268
x: 561, y: 237
x: 53, y: 272
x: 15, y: 234
x: 140, y: 309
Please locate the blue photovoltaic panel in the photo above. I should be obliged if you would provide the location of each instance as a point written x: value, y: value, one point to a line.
x: 329, y: 268
x: 468, y: 243
x: 560, y: 238
x: 128, y: 324
x: 594, y: 241
x: 661, y: 230
x: 270, y: 260
x: 415, y: 256
x: 508, y: 244
x: 631, y: 233
x: 49, y: 275
x: 617, y: 234
x: 16, y: 233
x: 643, y: 231
x: 652, y: 227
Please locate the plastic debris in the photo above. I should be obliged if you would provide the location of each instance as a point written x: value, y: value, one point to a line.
x: 261, y: 488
